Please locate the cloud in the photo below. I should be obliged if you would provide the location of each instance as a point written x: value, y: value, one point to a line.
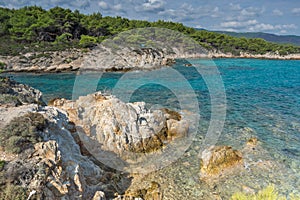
x: 112, y: 8
x: 103, y: 5
x: 239, y: 13
x: 277, y: 12
x: 117, y: 7
x: 235, y: 7
x: 254, y: 25
x: 251, y: 11
x: 296, y: 11
x: 188, y: 13
x: 238, y: 24
x: 153, y: 6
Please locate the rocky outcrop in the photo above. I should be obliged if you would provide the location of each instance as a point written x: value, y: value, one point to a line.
x: 56, y: 168
x: 125, y: 59
x: 123, y: 127
x: 61, y: 167
x: 14, y: 93
x: 216, y: 160
x: 105, y: 59
x: 59, y: 61
x: 100, y: 58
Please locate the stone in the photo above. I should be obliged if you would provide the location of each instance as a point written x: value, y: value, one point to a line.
x: 151, y: 191
x: 252, y: 141
x: 21, y: 93
x: 120, y: 127
x: 99, y: 195
x: 217, y: 159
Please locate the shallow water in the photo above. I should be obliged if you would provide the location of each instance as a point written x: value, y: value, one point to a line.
x: 263, y: 100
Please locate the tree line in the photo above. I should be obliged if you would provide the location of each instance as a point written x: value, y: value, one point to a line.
x: 34, y: 28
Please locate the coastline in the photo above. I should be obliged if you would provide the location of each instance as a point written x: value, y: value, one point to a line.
x: 76, y: 60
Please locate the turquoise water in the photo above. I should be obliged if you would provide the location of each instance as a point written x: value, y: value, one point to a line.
x: 263, y: 95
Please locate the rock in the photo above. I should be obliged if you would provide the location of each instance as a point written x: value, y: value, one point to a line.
x: 217, y: 159
x: 99, y: 195
x: 252, y: 141
x: 123, y: 59
x: 56, y: 168
x: 16, y: 94
x: 152, y: 191
x: 120, y: 127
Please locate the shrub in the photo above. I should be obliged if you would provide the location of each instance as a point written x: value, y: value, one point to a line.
x: 87, y: 41
x: 13, y: 192
x: 9, y: 99
x: 22, y: 132
x: 2, y: 65
x: 269, y: 193
x: 2, y: 163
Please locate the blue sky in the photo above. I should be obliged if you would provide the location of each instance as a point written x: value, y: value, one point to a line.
x: 272, y: 16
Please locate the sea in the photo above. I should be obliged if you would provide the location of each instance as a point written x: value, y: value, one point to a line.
x: 235, y: 100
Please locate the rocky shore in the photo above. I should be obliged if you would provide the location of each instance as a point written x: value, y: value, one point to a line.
x: 104, y: 59
x: 43, y: 155
x: 52, y: 152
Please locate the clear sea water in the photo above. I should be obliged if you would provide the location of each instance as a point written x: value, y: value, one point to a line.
x: 263, y: 100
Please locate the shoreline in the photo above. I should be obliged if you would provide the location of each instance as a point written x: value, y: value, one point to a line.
x: 73, y: 60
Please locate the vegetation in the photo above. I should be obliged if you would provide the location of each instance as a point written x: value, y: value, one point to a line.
x: 37, y: 29
x: 22, y: 133
x: 2, y: 163
x: 13, y: 192
x: 283, y: 39
x: 269, y: 193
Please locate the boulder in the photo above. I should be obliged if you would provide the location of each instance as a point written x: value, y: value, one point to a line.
x: 218, y: 159
x: 14, y: 93
x: 123, y: 127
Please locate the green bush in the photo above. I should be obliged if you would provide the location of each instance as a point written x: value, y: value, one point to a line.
x: 9, y: 99
x: 87, y: 41
x: 13, y: 192
x: 2, y: 163
x: 22, y: 132
x: 2, y: 65
x: 63, y: 38
x: 269, y: 193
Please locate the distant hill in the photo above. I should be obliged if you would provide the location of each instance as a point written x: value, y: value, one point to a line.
x: 283, y: 39
x: 34, y: 29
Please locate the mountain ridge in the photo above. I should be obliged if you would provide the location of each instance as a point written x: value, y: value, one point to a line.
x: 270, y: 37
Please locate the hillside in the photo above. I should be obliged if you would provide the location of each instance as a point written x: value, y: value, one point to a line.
x: 282, y: 39
x: 33, y: 29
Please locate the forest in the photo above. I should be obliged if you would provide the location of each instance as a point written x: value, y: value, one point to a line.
x: 36, y: 29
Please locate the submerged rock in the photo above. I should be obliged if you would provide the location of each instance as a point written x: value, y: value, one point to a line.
x: 252, y: 141
x: 217, y: 159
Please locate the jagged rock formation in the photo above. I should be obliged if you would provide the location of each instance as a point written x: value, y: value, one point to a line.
x: 59, y: 166
x: 101, y: 58
x: 68, y: 60
x: 123, y: 59
x: 123, y: 127
x: 16, y: 94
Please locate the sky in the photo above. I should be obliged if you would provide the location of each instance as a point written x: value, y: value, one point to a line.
x: 271, y: 16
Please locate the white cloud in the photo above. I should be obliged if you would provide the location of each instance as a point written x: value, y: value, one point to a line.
x: 254, y: 26
x: 187, y: 12
x: 251, y: 11
x: 238, y: 24
x: 235, y: 7
x: 296, y: 11
x: 153, y: 5
x: 103, y: 5
x: 277, y: 12
x: 117, y: 7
